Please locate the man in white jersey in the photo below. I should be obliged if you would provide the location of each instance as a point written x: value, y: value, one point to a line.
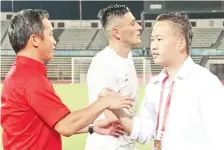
x: 113, y: 68
x: 183, y: 106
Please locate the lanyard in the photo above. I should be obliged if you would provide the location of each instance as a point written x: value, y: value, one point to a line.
x: 166, y: 111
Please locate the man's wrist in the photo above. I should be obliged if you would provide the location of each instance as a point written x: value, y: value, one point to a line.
x: 105, y: 102
x: 103, y: 97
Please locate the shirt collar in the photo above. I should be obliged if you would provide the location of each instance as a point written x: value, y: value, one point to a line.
x: 183, y: 73
x: 31, y: 63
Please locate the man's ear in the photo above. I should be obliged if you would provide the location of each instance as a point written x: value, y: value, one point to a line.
x: 182, y: 44
x: 34, y: 40
x: 116, y: 33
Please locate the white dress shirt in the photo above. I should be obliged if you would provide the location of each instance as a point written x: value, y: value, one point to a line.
x: 109, y: 70
x: 195, y: 120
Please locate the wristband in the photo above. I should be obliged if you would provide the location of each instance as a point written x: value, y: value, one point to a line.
x: 90, y: 129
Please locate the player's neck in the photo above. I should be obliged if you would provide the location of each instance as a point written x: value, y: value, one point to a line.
x: 30, y: 54
x: 172, y: 70
x: 171, y: 73
x: 121, y: 49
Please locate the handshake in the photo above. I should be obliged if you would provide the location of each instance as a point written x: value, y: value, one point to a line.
x: 114, y: 100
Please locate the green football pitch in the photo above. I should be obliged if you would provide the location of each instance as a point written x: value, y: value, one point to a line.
x: 75, y: 97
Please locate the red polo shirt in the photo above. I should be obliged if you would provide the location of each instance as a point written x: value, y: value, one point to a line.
x: 30, y: 108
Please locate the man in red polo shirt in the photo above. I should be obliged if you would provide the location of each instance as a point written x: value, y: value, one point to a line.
x: 32, y: 115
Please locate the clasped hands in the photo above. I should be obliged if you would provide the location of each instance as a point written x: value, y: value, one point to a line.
x: 116, y: 102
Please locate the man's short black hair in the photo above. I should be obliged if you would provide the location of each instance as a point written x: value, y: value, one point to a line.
x: 113, y: 10
x: 23, y: 24
x: 182, y: 23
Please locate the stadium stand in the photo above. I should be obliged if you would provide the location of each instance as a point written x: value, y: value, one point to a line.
x: 99, y: 41
x: 57, y: 33
x: 4, y: 27
x: 146, y: 38
x: 6, y: 43
x: 75, y: 38
x: 221, y: 46
x: 204, y: 37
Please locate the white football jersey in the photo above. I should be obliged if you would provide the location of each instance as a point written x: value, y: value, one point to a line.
x: 109, y: 70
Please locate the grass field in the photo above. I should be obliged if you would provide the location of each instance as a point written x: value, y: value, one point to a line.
x: 75, y: 97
